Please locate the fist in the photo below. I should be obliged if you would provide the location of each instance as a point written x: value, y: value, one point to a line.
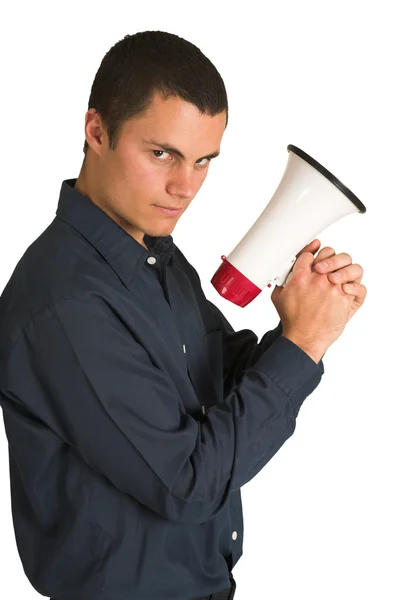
x: 339, y: 270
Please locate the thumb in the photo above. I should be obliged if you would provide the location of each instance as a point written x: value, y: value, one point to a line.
x: 311, y: 247
x: 304, y: 261
x: 278, y: 289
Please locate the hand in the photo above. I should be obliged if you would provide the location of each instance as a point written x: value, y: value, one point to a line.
x: 313, y: 311
x: 350, y: 275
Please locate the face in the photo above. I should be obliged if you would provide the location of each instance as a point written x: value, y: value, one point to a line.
x: 162, y: 158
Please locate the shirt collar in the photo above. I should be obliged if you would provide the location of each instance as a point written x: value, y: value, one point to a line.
x: 123, y: 253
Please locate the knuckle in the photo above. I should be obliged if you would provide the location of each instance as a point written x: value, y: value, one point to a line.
x: 320, y: 281
x: 300, y: 277
x: 300, y: 272
x: 346, y: 297
x: 337, y: 291
x: 347, y: 302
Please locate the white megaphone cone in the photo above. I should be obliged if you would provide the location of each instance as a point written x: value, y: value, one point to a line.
x: 308, y: 199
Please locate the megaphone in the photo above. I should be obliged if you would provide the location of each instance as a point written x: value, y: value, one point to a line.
x: 308, y: 199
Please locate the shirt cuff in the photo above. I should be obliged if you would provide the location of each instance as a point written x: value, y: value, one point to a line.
x: 292, y: 369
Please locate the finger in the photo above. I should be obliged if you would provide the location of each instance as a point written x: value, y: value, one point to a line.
x: 323, y: 254
x: 304, y: 261
x: 311, y: 247
x: 335, y: 263
x: 348, y: 274
x: 358, y: 290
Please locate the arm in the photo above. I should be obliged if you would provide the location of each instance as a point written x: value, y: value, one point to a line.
x: 79, y: 370
x: 240, y: 349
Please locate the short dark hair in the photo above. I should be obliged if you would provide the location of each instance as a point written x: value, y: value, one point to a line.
x: 139, y: 65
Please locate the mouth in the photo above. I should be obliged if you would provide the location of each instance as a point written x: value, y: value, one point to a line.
x: 172, y: 212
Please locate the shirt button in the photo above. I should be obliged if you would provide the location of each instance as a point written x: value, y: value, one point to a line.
x: 184, y: 348
x: 151, y: 260
x: 234, y: 535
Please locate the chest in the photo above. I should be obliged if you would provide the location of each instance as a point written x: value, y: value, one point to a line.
x: 170, y: 316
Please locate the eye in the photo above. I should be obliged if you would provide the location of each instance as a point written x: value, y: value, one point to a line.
x: 160, y: 152
x: 205, y: 163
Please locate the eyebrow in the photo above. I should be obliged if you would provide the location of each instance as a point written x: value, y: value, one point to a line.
x: 167, y: 148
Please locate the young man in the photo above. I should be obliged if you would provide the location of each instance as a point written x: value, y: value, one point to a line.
x: 134, y: 412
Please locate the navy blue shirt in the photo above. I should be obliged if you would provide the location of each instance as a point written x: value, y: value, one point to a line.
x: 134, y: 413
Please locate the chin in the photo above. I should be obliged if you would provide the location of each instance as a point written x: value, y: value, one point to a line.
x: 161, y: 230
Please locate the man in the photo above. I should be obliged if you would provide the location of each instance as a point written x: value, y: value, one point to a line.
x: 134, y: 412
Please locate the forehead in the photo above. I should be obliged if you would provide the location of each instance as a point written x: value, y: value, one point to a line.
x: 177, y: 121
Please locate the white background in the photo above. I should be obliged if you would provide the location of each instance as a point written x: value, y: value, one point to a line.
x: 322, y: 518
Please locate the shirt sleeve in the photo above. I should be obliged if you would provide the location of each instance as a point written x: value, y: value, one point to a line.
x: 241, y: 349
x: 82, y: 372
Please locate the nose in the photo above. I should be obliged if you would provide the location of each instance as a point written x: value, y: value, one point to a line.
x: 182, y: 182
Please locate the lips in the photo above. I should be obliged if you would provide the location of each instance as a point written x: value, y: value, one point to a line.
x: 169, y: 207
x: 172, y: 212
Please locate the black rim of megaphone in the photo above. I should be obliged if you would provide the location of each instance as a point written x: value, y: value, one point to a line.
x: 329, y: 176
